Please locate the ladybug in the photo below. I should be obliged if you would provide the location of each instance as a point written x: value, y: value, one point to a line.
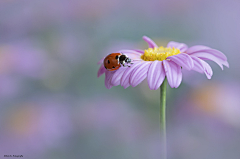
x: 114, y: 61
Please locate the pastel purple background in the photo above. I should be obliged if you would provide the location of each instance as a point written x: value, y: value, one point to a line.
x: 52, y: 105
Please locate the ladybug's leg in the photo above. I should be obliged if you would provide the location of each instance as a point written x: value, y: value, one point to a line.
x: 126, y: 65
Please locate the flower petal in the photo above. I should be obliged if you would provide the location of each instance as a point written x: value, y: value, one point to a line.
x: 140, y: 51
x: 197, y: 48
x: 173, y: 73
x: 101, y: 61
x: 183, y: 60
x: 201, y: 66
x: 125, y: 78
x: 133, y: 55
x: 116, y: 78
x: 101, y: 70
x: 206, y: 53
x: 156, y: 75
x: 108, y: 78
x: 129, y: 51
x: 150, y: 42
x: 197, y: 66
x: 139, y: 73
x: 181, y: 46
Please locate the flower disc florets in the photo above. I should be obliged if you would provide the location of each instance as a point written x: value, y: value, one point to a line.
x: 159, y: 53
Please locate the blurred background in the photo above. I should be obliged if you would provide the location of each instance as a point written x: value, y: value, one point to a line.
x: 53, y: 106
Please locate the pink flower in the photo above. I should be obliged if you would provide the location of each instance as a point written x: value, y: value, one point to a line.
x: 157, y: 62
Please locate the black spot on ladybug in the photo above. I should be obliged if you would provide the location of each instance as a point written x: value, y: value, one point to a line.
x: 108, y: 61
x: 105, y: 67
x: 113, y: 67
x: 116, y: 57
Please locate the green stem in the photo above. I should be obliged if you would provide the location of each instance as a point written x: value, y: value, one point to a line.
x: 163, y: 90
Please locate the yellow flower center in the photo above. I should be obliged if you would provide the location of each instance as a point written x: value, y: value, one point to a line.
x: 159, y: 54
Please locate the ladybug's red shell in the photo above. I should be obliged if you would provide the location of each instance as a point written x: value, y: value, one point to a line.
x: 111, y: 62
